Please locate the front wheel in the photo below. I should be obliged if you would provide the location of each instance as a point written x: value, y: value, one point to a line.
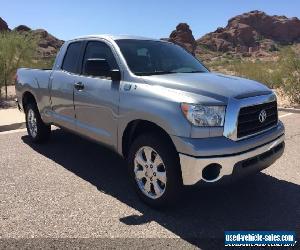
x: 36, y: 128
x: 155, y: 170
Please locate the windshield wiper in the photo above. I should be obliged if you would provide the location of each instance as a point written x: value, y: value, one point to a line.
x: 166, y: 72
x: 194, y: 71
x: 154, y: 73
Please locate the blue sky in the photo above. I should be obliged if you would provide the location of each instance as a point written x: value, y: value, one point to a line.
x: 69, y: 19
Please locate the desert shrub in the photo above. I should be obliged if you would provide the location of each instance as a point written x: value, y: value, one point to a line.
x: 40, y: 63
x: 15, y: 50
x: 259, y: 38
x: 265, y: 72
x: 221, y: 62
x: 273, y: 47
x: 289, y: 62
x: 292, y: 88
x: 1, y: 81
x: 283, y: 73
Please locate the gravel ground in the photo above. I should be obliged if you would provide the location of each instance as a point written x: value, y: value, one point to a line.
x: 71, y: 191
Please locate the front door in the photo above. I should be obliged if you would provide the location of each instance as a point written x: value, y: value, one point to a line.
x: 96, y: 99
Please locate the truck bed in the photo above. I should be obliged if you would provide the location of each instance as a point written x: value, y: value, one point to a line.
x: 36, y: 81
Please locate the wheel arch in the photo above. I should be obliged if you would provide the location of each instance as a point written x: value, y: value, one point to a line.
x: 137, y: 127
x: 27, y: 98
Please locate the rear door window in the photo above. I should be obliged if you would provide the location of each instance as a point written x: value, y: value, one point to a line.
x: 72, y: 56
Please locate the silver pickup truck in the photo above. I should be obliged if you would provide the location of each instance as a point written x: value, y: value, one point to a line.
x: 174, y: 121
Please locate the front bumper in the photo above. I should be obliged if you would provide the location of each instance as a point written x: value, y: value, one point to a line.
x: 234, y: 165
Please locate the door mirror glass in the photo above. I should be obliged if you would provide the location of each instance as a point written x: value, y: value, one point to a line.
x: 97, y: 67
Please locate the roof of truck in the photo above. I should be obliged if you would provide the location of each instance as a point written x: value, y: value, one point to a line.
x: 116, y: 37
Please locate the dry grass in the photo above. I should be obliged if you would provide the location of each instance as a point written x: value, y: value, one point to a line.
x: 279, y: 71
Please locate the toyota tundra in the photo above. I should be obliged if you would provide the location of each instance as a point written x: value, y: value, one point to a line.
x: 175, y: 122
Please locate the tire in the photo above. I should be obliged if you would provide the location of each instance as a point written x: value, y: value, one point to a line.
x: 141, y: 171
x: 37, y: 130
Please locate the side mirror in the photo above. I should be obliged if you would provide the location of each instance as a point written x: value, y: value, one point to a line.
x: 96, y: 67
x: 100, y: 67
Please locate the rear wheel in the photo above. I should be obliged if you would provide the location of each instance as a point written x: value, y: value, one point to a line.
x: 155, y: 170
x: 36, y: 128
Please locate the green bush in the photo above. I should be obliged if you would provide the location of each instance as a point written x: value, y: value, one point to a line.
x: 16, y: 49
x: 283, y: 73
x: 39, y: 63
x: 265, y: 72
x: 292, y: 89
x: 290, y: 64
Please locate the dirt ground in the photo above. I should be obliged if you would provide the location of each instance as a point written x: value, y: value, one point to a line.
x: 10, y: 103
x: 11, y: 92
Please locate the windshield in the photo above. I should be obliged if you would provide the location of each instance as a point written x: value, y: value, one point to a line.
x: 146, y: 57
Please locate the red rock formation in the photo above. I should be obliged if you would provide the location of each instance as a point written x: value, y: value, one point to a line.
x: 21, y: 28
x: 183, y: 36
x: 251, y: 29
x: 48, y: 45
x: 3, y: 25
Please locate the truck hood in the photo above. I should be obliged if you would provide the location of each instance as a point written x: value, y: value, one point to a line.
x: 218, y: 86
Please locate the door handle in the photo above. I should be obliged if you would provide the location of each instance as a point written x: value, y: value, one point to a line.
x: 79, y: 86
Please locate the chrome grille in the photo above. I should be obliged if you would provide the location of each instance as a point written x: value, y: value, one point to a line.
x: 248, y: 120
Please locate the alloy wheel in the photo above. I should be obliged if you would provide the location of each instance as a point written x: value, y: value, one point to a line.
x: 150, y: 172
x: 32, y: 123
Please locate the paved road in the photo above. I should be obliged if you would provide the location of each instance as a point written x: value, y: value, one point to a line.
x: 73, y: 188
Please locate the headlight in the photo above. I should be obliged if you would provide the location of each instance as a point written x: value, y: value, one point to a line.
x: 203, y: 115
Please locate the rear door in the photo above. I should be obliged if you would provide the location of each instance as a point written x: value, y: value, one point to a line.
x: 62, y: 86
x: 97, y: 100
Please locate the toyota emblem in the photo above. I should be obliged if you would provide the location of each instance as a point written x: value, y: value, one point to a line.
x: 262, y: 116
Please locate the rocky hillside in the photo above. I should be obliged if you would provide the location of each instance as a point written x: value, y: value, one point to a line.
x: 48, y: 45
x: 3, y: 25
x: 184, y: 37
x: 251, y: 34
x: 253, y: 31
